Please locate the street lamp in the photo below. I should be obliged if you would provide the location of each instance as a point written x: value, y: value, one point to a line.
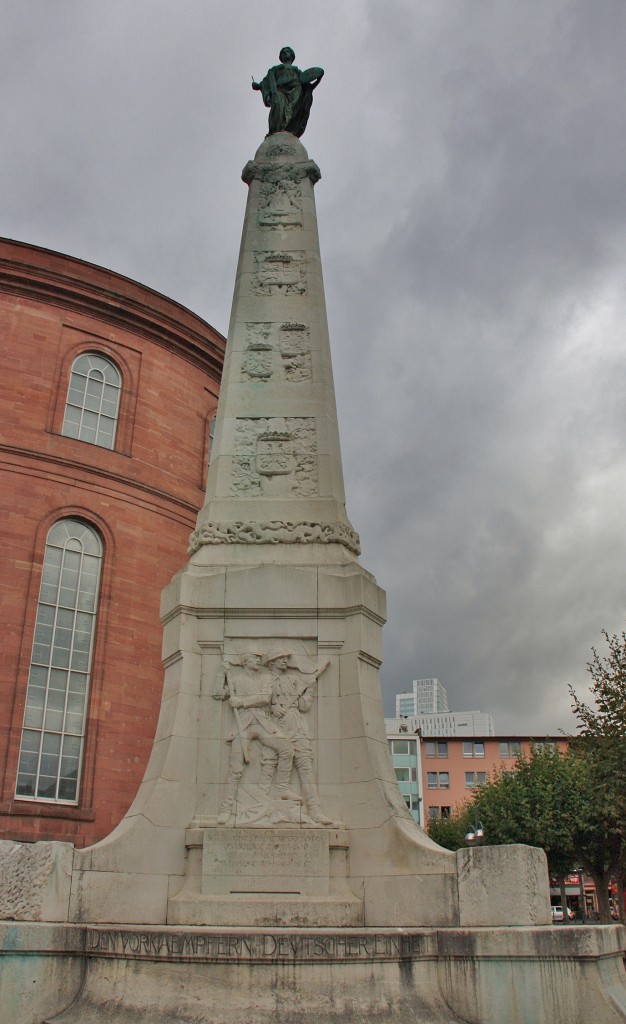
x: 476, y: 834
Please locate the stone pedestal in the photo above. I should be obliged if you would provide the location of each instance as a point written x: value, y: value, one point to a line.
x: 266, y: 877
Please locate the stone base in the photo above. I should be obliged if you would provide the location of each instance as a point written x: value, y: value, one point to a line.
x: 270, y: 877
x: 259, y: 911
x: 73, y: 974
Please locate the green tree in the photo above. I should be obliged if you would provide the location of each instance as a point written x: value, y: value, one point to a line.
x: 534, y: 804
x: 450, y: 832
x: 599, y: 754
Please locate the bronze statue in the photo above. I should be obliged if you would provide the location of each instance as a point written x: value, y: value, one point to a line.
x: 288, y: 92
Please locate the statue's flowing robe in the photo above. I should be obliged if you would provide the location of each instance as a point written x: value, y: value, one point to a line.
x: 288, y: 93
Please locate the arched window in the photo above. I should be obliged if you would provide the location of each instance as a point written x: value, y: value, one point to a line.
x: 58, y: 682
x: 93, y: 400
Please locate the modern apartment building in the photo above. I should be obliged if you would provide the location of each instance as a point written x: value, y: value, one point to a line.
x: 437, y: 774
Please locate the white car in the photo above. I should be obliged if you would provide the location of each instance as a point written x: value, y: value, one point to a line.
x: 557, y: 913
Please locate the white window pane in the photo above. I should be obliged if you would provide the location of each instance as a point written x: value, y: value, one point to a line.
x: 56, y: 700
x: 74, y: 724
x: 78, y: 682
x: 25, y: 785
x: 92, y: 404
x: 68, y: 789
x: 46, y: 788
x: 53, y: 720
x: 33, y: 715
x: 80, y: 660
x: 111, y: 375
x: 41, y: 654
x: 93, y: 400
x: 56, y: 697
x: 71, y: 747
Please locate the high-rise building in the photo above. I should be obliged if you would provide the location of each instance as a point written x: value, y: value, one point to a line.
x: 427, y: 697
x: 444, y: 723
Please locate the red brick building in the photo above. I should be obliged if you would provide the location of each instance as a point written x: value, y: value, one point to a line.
x: 107, y: 392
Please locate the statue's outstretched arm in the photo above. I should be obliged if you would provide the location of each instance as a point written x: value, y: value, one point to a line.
x: 312, y: 77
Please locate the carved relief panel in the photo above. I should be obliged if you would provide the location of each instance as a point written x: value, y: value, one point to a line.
x: 277, y: 352
x: 268, y: 690
x: 280, y: 200
x: 275, y: 457
x: 295, y: 351
x: 257, y: 362
x: 279, y: 273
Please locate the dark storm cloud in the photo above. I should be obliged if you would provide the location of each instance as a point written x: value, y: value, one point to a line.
x: 472, y: 216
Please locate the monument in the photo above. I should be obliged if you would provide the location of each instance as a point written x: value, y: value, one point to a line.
x: 268, y: 868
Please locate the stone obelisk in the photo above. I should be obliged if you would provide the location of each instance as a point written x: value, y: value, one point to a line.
x: 270, y: 797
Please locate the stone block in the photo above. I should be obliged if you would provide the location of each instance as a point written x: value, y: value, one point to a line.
x: 265, y: 860
x: 503, y: 885
x: 35, y: 881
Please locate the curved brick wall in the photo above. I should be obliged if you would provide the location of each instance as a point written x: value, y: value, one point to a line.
x: 143, y: 497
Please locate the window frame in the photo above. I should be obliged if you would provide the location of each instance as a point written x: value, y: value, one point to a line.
x: 91, y: 386
x: 84, y: 810
x: 437, y: 778
x: 57, y: 655
x: 436, y: 748
x: 128, y: 361
x: 470, y: 748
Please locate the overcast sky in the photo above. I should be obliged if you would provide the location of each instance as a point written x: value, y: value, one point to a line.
x: 472, y: 216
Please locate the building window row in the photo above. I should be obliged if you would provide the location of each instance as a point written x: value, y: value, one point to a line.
x: 473, y: 748
x: 438, y: 780
x: 434, y: 813
x: 473, y: 779
x: 436, y: 748
x: 55, y: 715
x: 405, y: 747
x: 510, y: 748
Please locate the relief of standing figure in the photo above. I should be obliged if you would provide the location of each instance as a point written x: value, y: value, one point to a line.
x: 288, y: 92
x: 292, y: 698
x: 248, y: 688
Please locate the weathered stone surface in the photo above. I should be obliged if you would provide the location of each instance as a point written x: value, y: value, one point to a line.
x: 147, y: 975
x: 35, y: 881
x: 503, y: 885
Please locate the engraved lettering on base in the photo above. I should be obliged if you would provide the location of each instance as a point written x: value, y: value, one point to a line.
x: 208, y: 945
